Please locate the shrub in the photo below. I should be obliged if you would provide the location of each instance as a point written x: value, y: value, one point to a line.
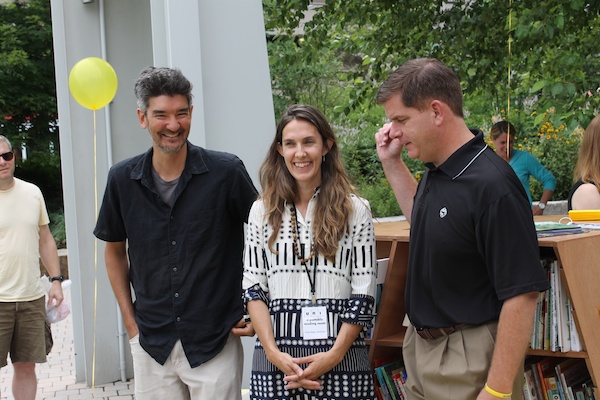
x: 381, y: 197
x: 364, y: 168
x: 57, y: 227
x: 555, y: 147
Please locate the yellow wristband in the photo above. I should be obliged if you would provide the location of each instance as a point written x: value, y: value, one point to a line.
x: 497, y: 394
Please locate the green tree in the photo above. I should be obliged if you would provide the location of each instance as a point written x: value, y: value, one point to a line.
x: 310, y: 82
x: 553, y: 61
x: 28, y: 112
x: 516, y: 60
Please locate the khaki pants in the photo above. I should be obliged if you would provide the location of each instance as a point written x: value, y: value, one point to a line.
x: 217, y: 379
x: 451, y: 367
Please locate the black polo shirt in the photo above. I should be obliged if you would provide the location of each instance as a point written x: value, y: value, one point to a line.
x: 472, y: 240
x: 185, y: 261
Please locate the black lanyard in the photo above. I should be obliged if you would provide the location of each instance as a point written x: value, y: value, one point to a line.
x: 313, y: 281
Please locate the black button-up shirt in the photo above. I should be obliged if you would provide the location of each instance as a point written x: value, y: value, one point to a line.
x: 185, y: 261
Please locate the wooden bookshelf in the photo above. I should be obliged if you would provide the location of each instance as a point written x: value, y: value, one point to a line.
x: 579, y: 258
x: 388, y: 332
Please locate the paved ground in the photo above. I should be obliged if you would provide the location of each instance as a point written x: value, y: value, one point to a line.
x: 56, y: 378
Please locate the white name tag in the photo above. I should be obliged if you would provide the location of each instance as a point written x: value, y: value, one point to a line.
x: 314, y: 322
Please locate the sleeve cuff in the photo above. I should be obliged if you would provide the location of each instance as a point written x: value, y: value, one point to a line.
x: 359, y: 310
x: 255, y: 293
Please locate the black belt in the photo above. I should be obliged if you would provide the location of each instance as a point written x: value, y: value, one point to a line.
x: 434, y: 333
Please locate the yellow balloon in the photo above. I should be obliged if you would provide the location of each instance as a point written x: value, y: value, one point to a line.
x: 93, y: 82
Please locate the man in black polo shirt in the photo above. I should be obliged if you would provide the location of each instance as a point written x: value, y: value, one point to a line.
x: 474, y: 272
x: 178, y: 211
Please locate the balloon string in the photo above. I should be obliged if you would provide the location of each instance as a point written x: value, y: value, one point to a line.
x: 508, y: 80
x: 95, y: 259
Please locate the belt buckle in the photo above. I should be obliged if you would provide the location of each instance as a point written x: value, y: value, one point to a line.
x: 435, y: 333
x: 425, y: 333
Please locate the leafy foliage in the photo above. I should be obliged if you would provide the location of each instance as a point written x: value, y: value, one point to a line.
x: 516, y: 60
x: 365, y: 170
x: 556, y: 148
x: 311, y: 82
x: 28, y: 113
x: 58, y: 229
x: 553, y: 60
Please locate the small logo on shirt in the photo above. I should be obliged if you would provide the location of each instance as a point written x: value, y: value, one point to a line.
x: 443, y: 212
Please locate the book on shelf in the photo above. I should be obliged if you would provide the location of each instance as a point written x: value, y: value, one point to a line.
x: 539, y: 387
x: 572, y: 375
x: 529, y: 389
x: 554, y: 317
x: 552, y: 388
x: 556, y: 378
x: 399, y: 376
x: 574, y: 335
x: 586, y: 392
x: 391, y: 377
x: 554, y: 327
x: 565, y: 314
x: 381, y: 389
x: 381, y: 271
x: 526, y: 391
x: 385, y: 393
x: 546, y: 370
x: 378, y: 393
x: 537, y: 340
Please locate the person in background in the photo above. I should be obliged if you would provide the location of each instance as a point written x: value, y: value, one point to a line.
x: 24, y: 238
x: 474, y: 271
x: 584, y: 194
x: 173, y: 222
x: 309, y: 254
x: 503, y: 134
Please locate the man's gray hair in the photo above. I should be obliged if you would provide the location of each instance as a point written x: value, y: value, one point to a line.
x: 5, y: 140
x: 154, y: 82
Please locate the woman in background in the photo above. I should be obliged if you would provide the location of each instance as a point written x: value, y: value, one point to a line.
x: 309, y: 269
x: 524, y: 164
x: 584, y: 194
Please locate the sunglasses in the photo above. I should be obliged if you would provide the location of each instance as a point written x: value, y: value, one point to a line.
x: 7, y: 156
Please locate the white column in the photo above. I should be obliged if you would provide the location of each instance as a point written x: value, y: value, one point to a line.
x: 220, y: 46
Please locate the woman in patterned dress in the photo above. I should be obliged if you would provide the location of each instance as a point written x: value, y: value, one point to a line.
x: 309, y: 269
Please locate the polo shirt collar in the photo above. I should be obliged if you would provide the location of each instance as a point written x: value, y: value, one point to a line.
x: 462, y: 158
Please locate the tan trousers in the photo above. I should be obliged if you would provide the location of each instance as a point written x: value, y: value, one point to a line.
x: 451, y: 367
x: 217, y: 379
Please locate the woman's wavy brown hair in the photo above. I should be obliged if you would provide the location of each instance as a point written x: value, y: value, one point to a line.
x: 588, y: 163
x: 333, y: 207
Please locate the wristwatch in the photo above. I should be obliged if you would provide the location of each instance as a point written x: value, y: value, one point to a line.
x: 57, y: 278
x: 541, y: 205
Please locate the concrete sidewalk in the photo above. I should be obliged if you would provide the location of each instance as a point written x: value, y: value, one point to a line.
x: 56, y: 378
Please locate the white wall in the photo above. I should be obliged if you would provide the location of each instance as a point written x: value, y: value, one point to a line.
x: 220, y: 46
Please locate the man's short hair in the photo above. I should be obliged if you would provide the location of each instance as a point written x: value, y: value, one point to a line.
x: 421, y: 80
x: 159, y: 81
x: 5, y: 140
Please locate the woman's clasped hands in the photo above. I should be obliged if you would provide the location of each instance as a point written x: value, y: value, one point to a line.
x: 308, y: 378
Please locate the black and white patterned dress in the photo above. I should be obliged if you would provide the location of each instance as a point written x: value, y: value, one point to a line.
x: 346, y: 289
